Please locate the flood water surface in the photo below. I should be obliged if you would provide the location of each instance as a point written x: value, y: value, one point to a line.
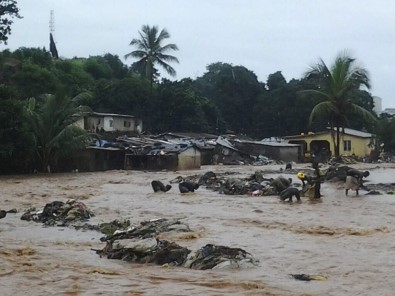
x: 350, y: 240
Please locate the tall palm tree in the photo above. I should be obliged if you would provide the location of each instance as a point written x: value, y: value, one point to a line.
x: 150, y: 51
x: 54, y: 130
x: 337, y: 86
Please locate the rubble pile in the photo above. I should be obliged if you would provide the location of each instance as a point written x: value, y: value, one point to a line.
x: 58, y: 213
x: 148, y: 229
x: 140, y: 245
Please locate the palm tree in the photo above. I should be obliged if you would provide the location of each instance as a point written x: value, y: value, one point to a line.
x: 337, y: 86
x: 150, y: 51
x: 54, y: 130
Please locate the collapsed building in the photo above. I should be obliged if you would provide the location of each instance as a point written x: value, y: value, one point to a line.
x: 181, y: 151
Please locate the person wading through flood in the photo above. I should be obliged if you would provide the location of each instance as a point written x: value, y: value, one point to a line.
x: 280, y: 183
x: 289, y: 193
x: 283, y: 187
x: 158, y: 186
x: 186, y: 187
x: 314, y: 181
x: 354, y: 180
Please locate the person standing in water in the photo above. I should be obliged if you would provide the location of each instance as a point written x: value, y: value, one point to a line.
x: 317, y: 180
x: 313, y: 180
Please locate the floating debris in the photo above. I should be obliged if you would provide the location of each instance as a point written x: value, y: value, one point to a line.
x: 309, y: 277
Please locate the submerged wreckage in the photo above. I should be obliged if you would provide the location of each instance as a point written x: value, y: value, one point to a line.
x: 140, y: 244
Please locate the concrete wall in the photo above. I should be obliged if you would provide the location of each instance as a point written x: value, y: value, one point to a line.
x: 189, y: 159
x: 94, y: 159
x: 151, y: 162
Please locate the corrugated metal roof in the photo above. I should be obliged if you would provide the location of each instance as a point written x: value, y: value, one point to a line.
x: 268, y: 143
x: 353, y: 132
x: 347, y: 131
x: 112, y: 114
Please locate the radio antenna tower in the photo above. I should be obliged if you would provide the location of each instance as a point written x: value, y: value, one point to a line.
x: 52, y: 46
x: 52, y: 23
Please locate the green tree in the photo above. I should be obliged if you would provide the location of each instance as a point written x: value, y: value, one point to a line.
x: 53, y: 126
x: 151, y: 51
x: 181, y: 108
x: 385, y: 132
x: 126, y: 96
x: 73, y: 76
x: 336, y: 89
x: 8, y: 11
x: 98, y: 68
x: 234, y: 90
x: 119, y: 69
x: 16, y: 141
x: 280, y: 111
x: 276, y: 81
x: 37, y: 56
x: 33, y: 80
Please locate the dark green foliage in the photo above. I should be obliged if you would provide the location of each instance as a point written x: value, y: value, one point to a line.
x: 234, y: 90
x: 118, y: 69
x: 180, y: 108
x: 8, y: 11
x: 275, y: 113
x: 16, y: 144
x: 226, y: 98
x: 37, y: 56
x: 385, y: 131
x: 52, y: 120
x: 72, y: 77
x: 32, y: 79
x: 98, y: 68
x: 126, y: 96
x: 276, y: 81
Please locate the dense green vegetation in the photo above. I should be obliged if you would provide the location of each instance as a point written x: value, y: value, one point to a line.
x: 41, y: 97
x: 225, y: 98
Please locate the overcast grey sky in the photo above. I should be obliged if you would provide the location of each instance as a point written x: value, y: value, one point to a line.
x: 265, y: 36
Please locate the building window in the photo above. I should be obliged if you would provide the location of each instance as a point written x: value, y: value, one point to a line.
x: 347, y: 145
x: 126, y: 124
x: 110, y: 122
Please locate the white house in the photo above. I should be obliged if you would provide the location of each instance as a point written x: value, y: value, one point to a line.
x: 109, y: 122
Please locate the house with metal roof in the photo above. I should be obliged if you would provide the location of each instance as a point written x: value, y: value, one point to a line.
x: 110, y: 122
x: 320, y: 144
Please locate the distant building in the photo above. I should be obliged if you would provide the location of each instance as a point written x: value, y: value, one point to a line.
x: 377, y: 105
x: 108, y: 122
x: 390, y: 111
x: 240, y: 150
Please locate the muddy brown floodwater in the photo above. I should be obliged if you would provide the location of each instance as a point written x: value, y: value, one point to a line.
x: 350, y: 240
